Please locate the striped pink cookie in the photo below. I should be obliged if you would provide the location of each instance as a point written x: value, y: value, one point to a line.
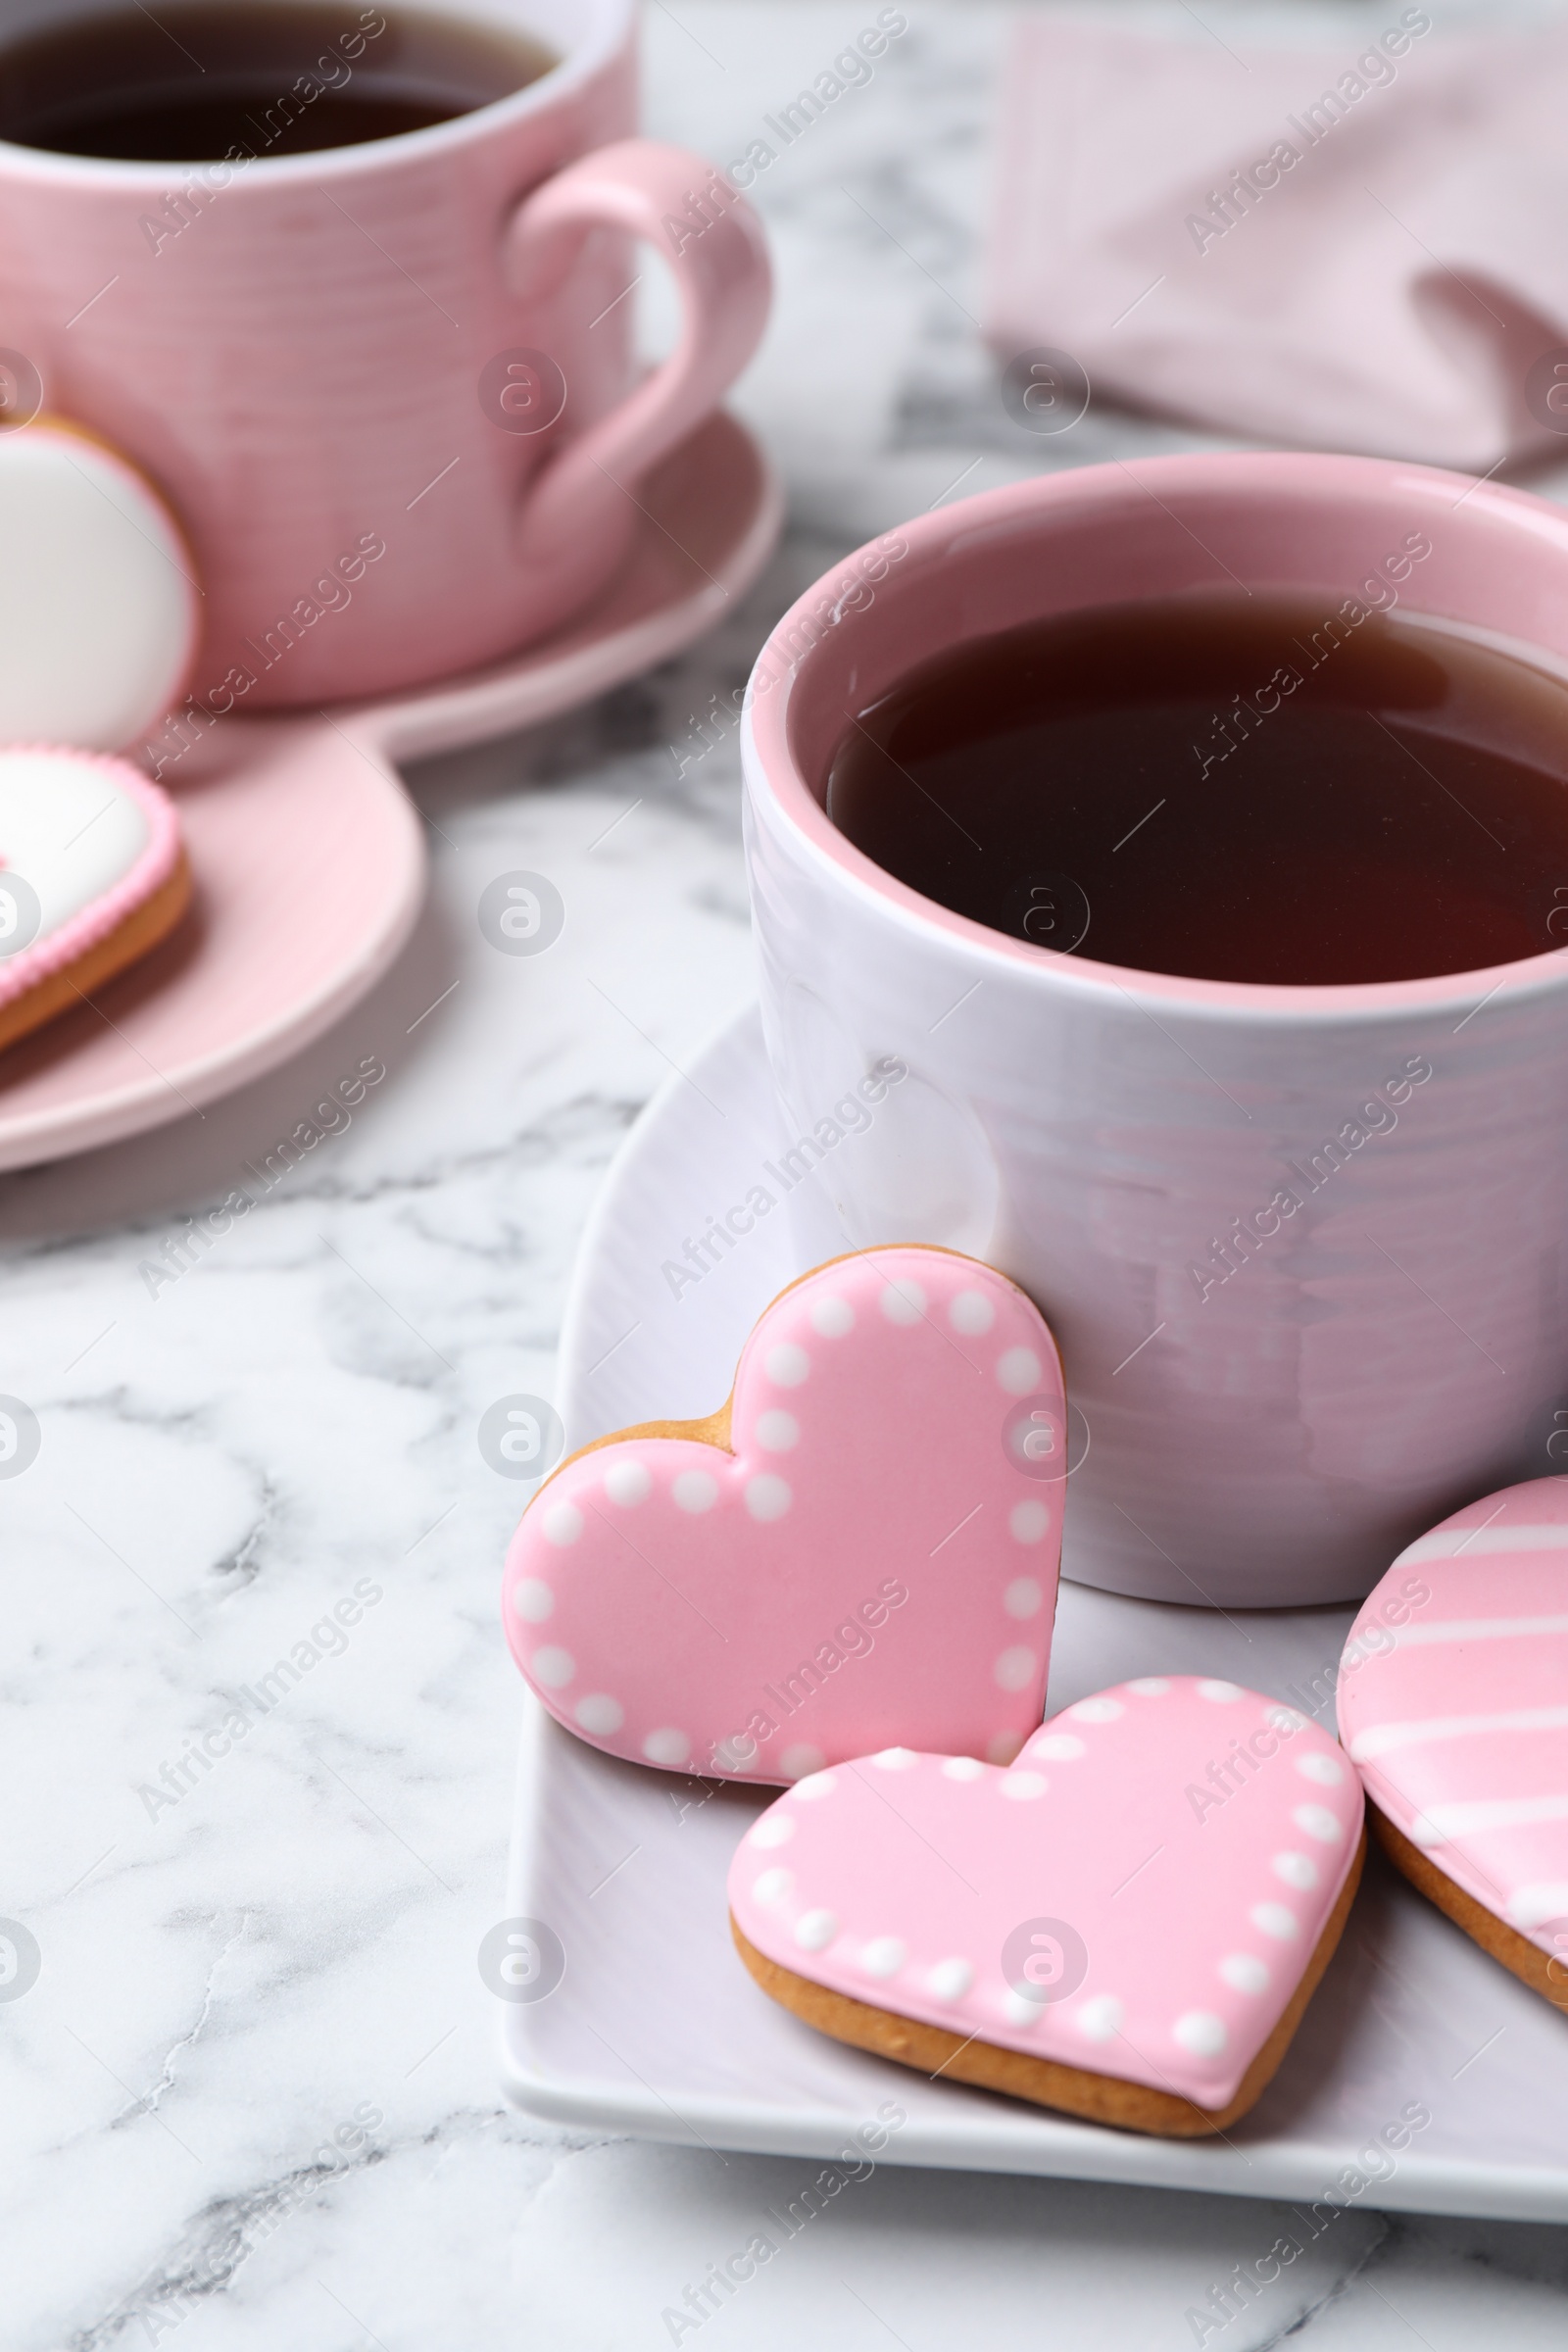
x: 1453, y: 1704
x: 861, y: 1546
x: 1126, y: 1924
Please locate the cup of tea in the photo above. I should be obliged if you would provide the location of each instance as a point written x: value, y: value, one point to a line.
x: 353, y: 284
x: 1196, y: 837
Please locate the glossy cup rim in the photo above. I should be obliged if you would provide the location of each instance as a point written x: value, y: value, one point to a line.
x: 597, y: 44
x: 782, y: 796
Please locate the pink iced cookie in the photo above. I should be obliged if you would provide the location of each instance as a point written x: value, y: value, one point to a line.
x: 1453, y: 1704
x: 92, y: 876
x: 861, y: 1546
x: 1125, y: 1923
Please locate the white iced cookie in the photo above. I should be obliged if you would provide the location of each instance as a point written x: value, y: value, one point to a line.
x: 92, y: 876
x: 98, y: 603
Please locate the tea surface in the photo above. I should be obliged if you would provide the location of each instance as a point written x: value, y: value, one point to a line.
x: 202, y: 82
x: 1247, y: 788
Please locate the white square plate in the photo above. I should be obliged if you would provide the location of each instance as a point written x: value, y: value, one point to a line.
x: 656, y: 2028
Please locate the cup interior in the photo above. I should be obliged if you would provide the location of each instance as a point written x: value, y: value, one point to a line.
x: 1114, y: 534
x: 563, y: 26
x: 577, y: 34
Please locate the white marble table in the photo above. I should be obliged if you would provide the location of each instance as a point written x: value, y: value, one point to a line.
x: 251, y: 2099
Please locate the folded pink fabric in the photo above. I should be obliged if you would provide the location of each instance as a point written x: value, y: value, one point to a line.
x: 1355, y: 247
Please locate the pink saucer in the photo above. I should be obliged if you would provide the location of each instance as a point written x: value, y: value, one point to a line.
x: 281, y: 938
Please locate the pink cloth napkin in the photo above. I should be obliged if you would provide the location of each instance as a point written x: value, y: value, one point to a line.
x: 1360, y: 247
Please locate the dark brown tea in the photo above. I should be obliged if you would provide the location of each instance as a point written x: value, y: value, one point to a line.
x: 1262, y: 788
x: 198, y: 81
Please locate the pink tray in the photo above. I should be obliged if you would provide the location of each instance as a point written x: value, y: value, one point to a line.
x: 309, y: 857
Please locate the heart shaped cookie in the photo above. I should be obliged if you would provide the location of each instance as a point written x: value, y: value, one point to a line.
x: 92, y: 876
x: 1452, y: 1702
x: 861, y: 1546
x: 100, y: 612
x: 1126, y: 1924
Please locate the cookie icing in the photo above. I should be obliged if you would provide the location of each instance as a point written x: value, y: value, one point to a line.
x: 1453, y: 1702
x: 91, y: 838
x: 99, y: 604
x: 875, y: 1560
x: 1138, y: 1894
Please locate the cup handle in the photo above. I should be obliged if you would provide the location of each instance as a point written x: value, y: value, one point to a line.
x: 724, y: 282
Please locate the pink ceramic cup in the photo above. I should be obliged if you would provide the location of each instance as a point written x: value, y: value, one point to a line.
x: 1396, y: 1344
x: 320, y: 356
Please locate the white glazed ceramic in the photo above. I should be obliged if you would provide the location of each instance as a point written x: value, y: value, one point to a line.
x: 1396, y: 1344
x: 655, y: 2027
